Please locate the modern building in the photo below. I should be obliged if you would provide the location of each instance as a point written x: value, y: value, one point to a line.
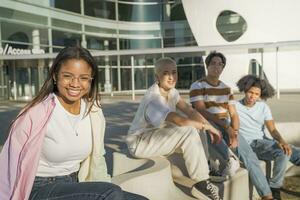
x: 128, y: 36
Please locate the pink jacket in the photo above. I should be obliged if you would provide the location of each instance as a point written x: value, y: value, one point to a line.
x: 21, y: 152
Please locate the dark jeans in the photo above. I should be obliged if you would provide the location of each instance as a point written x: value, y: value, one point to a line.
x: 68, y: 188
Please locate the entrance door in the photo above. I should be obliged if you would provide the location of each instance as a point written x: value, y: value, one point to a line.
x: 26, y: 82
x: 23, y: 81
x: 4, y: 95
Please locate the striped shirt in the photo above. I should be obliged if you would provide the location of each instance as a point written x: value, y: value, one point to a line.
x: 216, y: 98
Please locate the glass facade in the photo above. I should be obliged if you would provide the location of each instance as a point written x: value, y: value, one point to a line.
x: 139, y: 43
x: 100, y: 9
x: 97, y: 43
x: 22, y: 79
x: 68, y: 5
x: 62, y: 38
x: 140, y: 12
x: 127, y: 27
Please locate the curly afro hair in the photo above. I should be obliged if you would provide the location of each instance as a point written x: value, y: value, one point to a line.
x: 248, y: 81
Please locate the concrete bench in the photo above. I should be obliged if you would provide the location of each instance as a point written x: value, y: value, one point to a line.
x: 149, y: 177
x: 155, y: 177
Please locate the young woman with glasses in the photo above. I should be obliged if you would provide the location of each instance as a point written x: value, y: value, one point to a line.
x: 55, y: 146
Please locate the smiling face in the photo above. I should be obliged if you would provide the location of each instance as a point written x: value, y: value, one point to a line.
x: 215, y: 67
x: 251, y: 96
x: 73, y: 80
x: 167, y: 76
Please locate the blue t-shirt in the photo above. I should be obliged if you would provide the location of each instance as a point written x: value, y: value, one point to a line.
x: 252, y: 120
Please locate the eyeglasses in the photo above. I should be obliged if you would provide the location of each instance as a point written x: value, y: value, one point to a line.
x: 68, y: 78
x: 216, y: 64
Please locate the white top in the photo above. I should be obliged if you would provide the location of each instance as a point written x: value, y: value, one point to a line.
x: 68, y: 141
x: 153, y: 110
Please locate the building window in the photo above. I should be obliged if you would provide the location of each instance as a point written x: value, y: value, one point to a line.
x: 139, y: 44
x: 180, y: 42
x: 99, y: 43
x: 190, y: 68
x: 68, y: 5
x: 177, y: 34
x: 140, y: 13
x: 100, y: 9
x: 62, y: 39
x: 22, y: 36
x: 231, y: 25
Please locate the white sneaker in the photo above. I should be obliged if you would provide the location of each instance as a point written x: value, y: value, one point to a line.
x: 232, y: 166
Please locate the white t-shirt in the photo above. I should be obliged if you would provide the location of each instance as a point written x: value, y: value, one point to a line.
x: 153, y: 110
x: 68, y: 141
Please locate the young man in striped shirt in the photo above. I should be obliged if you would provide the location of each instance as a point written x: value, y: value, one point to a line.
x: 214, y: 100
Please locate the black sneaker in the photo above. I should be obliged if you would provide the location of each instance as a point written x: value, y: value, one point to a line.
x: 206, y: 190
x: 217, y: 176
x: 276, y: 193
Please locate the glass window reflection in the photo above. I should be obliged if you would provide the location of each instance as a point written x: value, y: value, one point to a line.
x: 68, y: 5
x: 139, y: 44
x: 140, y: 13
x: 101, y: 9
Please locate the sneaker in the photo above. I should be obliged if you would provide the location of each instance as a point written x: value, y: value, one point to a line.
x: 232, y: 166
x: 276, y: 193
x: 206, y: 190
x: 217, y: 176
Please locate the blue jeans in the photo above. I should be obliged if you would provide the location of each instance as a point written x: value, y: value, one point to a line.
x: 219, y: 151
x: 267, y: 149
x: 68, y: 188
x: 251, y: 163
x: 295, y: 157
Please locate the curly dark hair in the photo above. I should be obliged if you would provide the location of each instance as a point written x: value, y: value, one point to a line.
x: 248, y: 81
x: 213, y: 54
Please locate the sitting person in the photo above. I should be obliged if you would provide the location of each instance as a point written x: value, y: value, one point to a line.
x: 55, y: 148
x: 255, y: 115
x: 214, y: 100
x: 158, y: 130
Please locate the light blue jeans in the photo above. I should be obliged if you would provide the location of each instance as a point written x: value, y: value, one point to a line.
x: 295, y: 157
x: 268, y: 149
x: 265, y: 149
x: 251, y: 163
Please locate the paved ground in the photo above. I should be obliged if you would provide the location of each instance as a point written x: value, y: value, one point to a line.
x: 119, y: 112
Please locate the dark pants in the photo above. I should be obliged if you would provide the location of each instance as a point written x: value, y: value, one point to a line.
x: 68, y: 188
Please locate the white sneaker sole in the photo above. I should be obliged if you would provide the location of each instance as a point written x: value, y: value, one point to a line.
x: 219, y: 179
x: 199, y: 195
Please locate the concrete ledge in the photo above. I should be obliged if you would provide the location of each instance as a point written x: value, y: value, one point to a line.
x: 149, y: 177
x: 290, y: 131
